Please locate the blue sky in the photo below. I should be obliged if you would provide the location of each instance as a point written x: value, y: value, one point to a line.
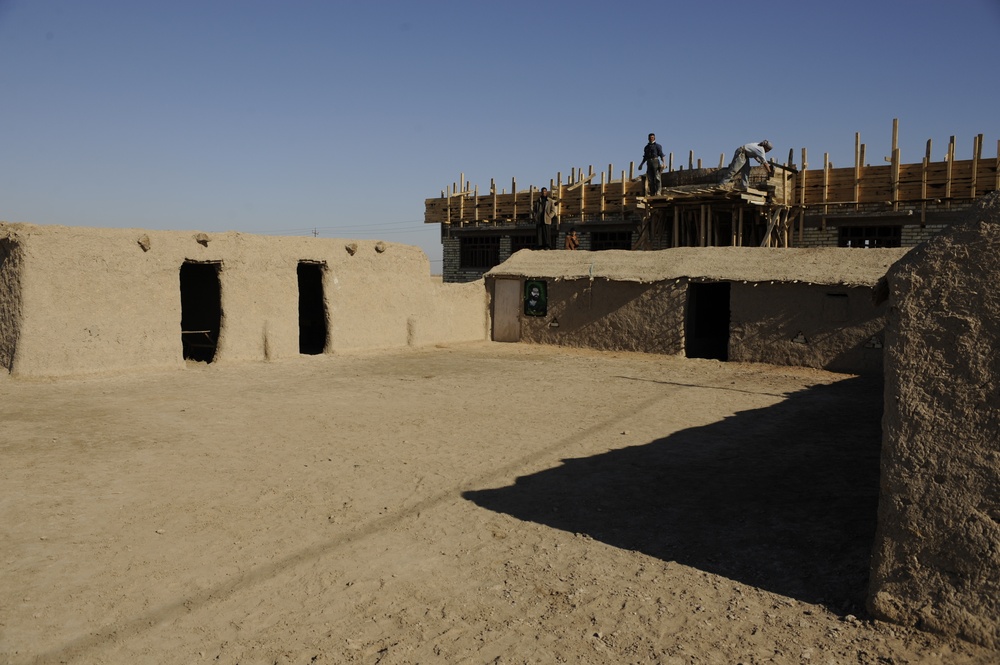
x: 285, y: 117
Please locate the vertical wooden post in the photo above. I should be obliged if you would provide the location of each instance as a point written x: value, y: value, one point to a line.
x: 670, y: 162
x: 732, y: 227
x: 895, y: 178
x: 741, y: 226
x: 948, y: 171
x: 448, y: 204
x: 996, y: 185
x: 583, y: 194
x: 977, y: 153
x: 722, y: 159
x: 493, y: 189
x: 603, y: 196
x: 513, y: 190
x: 895, y: 133
x: 690, y: 159
x: 677, y: 225
x: 559, y: 197
x: 923, y: 184
x: 531, y: 200
x: 631, y: 170
x: 624, y: 193
x: 826, y: 184
x: 476, y: 200
x: 857, y: 169
x: 461, y: 199
x: 702, y: 230
x: 802, y: 195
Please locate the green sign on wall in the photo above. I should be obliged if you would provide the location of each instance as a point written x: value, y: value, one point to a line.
x: 536, y: 297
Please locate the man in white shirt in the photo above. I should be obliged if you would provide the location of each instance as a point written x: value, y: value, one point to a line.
x: 741, y: 162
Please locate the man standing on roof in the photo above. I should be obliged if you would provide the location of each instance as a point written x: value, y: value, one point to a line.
x: 741, y: 163
x: 652, y: 157
x: 544, y: 214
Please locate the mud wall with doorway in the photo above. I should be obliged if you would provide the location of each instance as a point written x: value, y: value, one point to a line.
x: 609, y: 315
x: 810, y: 308
x: 832, y: 327
x: 77, y: 300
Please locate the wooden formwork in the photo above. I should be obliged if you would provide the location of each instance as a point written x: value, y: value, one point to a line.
x: 789, y: 192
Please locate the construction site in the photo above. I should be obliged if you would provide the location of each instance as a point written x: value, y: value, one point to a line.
x: 885, y: 204
x: 745, y: 443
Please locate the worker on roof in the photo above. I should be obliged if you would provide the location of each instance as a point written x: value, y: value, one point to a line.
x: 741, y: 163
x: 652, y: 157
x: 544, y: 212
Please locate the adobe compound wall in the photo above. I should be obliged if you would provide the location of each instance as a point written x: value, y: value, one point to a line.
x: 936, y: 559
x: 87, y: 300
x: 802, y: 307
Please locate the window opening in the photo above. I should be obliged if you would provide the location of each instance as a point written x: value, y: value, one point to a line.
x: 870, y: 236
x: 479, y: 252
x: 610, y: 240
x: 522, y: 241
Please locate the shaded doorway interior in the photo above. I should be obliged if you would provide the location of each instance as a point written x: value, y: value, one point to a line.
x: 201, y: 310
x: 312, y: 308
x: 707, y: 324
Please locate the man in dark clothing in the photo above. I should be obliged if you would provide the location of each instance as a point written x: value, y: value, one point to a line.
x: 652, y: 157
x: 544, y: 214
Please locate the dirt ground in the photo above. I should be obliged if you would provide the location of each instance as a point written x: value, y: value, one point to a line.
x: 479, y: 503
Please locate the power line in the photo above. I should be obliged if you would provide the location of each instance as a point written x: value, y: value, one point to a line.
x: 387, y: 227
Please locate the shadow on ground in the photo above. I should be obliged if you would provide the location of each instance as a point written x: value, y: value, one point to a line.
x: 782, y: 498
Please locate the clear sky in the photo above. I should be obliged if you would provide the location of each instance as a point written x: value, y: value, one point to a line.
x: 341, y: 117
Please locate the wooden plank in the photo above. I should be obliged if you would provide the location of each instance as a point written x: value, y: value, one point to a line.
x: 603, y: 203
x: 895, y: 178
x: 951, y: 161
x: 857, y: 166
x: 513, y: 189
x: 827, y: 166
x: 802, y: 193
x: 677, y: 226
x: 772, y: 220
x: 977, y: 153
x: 559, y: 197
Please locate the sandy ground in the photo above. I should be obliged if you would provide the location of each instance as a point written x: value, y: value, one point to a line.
x: 479, y: 503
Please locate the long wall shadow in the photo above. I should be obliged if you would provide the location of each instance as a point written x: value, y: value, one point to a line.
x: 782, y: 498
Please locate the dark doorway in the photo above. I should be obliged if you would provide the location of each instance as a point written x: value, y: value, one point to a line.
x: 707, y: 329
x: 201, y: 310
x: 312, y: 309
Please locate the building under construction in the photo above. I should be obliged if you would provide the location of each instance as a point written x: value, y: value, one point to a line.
x: 886, y: 205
